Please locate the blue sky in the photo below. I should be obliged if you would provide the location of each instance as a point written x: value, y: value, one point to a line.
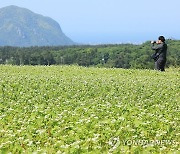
x: 109, y: 21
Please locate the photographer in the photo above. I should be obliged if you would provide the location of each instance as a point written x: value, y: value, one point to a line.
x: 159, y: 56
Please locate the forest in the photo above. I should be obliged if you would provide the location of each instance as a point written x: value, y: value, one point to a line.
x: 107, y: 55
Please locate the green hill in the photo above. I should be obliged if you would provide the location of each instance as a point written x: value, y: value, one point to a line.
x: 22, y: 27
x: 119, y: 56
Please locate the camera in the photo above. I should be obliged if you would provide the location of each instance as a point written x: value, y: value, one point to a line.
x: 152, y: 42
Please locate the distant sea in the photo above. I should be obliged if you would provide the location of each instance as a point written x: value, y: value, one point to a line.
x: 103, y: 38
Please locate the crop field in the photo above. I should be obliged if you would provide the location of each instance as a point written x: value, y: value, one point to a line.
x: 72, y: 109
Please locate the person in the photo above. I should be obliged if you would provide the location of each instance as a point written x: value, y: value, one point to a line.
x: 159, y: 56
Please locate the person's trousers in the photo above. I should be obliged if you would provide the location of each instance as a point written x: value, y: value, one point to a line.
x: 160, y: 64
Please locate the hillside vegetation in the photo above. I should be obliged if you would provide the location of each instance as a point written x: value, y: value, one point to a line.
x: 119, y: 56
x: 72, y: 109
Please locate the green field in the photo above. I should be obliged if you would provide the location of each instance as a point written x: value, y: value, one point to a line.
x: 71, y: 109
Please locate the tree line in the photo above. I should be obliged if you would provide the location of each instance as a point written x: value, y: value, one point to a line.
x: 117, y: 55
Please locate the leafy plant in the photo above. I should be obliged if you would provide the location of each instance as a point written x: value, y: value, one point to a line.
x: 71, y: 109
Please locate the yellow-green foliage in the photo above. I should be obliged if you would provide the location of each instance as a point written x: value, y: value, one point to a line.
x: 74, y: 109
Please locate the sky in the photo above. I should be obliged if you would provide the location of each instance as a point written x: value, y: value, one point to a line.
x: 109, y: 21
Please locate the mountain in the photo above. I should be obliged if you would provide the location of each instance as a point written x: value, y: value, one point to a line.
x: 22, y: 27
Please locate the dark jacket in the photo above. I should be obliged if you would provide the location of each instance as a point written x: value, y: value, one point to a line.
x: 160, y: 50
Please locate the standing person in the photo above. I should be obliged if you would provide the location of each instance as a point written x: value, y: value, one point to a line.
x: 159, y: 56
